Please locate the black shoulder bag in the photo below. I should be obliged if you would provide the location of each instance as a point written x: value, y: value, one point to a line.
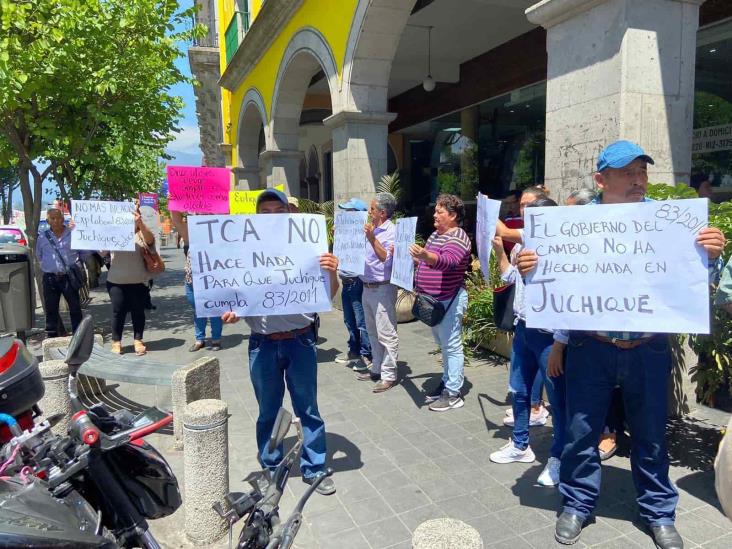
x: 429, y: 310
x: 77, y: 277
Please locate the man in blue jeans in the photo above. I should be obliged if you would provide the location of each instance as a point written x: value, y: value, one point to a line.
x: 358, y: 355
x: 639, y: 363
x: 282, y: 349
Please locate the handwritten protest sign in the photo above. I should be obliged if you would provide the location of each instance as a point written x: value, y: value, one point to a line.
x: 256, y: 265
x: 621, y: 267
x: 245, y: 202
x: 485, y: 230
x: 402, y: 267
x: 197, y: 189
x: 349, y: 245
x: 103, y: 225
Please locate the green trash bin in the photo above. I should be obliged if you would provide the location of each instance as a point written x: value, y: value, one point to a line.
x: 17, y: 293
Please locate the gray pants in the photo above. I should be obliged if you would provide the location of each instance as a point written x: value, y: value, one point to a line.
x: 379, y: 308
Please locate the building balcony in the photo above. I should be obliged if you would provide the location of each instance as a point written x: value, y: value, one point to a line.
x: 235, y: 32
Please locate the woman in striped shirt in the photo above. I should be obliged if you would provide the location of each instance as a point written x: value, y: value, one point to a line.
x: 441, y: 269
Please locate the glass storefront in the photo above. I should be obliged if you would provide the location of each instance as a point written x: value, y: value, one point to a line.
x: 493, y: 147
x: 712, y: 145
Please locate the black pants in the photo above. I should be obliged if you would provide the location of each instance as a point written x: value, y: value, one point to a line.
x: 127, y: 298
x: 54, y: 287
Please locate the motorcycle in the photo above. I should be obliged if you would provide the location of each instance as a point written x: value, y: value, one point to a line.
x: 95, y: 487
x: 263, y: 528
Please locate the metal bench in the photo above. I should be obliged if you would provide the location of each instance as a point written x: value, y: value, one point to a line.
x: 195, y: 381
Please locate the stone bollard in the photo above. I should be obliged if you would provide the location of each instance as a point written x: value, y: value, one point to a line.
x: 198, y: 380
x: 446, y: 533
x: 206, y: 468
x: 56, y: 400
x: 54, y: 348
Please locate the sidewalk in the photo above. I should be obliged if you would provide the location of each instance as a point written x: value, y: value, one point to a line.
x: 398, y: 464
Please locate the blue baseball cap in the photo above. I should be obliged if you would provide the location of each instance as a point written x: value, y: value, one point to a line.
x: 272, y: 194
x: 354, y: 204
x: 619, y: 154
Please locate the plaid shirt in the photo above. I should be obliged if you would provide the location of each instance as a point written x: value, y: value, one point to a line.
x: 715, y: 267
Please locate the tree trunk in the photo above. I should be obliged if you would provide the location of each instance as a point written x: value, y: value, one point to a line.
x: 32, y: 208
x: 9, y: 204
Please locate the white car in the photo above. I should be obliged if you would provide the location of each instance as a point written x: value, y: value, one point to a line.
x: 12, y: 234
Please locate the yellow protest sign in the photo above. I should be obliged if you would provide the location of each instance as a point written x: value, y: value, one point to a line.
x: 245, y: 202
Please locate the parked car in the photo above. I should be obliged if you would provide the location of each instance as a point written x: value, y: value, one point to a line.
x: 12, y: 234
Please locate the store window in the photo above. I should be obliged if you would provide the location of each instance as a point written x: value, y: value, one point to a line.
x: 712, y: 144
x: 494, y: 147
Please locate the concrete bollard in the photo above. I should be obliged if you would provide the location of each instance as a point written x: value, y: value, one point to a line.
x: 56, y: 400
x: 55, y: 348
x: 198, y: 380
x: 446, y: 533
x: 206, y: 468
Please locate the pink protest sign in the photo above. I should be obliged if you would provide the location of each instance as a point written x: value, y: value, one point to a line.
x: 197, y: 189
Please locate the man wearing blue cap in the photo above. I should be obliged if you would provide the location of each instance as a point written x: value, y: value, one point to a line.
x: 282, y: 349
x: 639, y: 363
x: 358, y: 355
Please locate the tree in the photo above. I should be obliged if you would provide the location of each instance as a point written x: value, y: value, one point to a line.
x: 83, y: 82
x: 8, y: 183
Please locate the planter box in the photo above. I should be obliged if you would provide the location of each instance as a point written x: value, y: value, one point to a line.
x: 501, y: 344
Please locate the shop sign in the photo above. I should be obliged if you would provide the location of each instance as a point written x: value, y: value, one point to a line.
x: 712, y: 139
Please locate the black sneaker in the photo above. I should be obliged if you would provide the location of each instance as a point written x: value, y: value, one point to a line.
x: 436, y: 394
x: 447, y: 402
x: 325, y: 488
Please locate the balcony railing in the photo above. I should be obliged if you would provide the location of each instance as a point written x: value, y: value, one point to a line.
x: 235, y: 32
x: 208, y: 18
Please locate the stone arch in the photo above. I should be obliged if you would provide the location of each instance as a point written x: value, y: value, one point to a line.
x: 307, y: 53
x: 252, y: 118
x: 372, y: 43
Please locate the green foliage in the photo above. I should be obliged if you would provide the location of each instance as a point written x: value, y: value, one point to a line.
x: 714, y: 368
x: 85, y: 93
x: 448, y: 183
x: 478, y: 325
x: 392, y: 184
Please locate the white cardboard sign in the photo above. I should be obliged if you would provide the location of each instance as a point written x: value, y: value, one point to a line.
x: 349, y: 244
x: 259, y: 265
x: 485, y: 230
x: 102, y: 225
x: 621, y: 267
x: 402, y: 267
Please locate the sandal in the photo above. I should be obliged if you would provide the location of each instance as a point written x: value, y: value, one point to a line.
x: 216, y: 345
x: 140, y: 348
x: 116, y: 347
x: 197, y: 346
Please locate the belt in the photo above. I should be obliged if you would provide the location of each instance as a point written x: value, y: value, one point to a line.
x: 624, y: 344
x: 291, y: 334
x: 375, y: 284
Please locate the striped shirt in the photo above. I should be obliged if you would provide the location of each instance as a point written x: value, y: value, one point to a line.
x: 443, y: 279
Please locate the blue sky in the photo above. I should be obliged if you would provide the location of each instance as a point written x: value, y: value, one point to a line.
x: 186, y: 147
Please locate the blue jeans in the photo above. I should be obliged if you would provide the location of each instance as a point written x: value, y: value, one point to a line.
x: 271, y: 364
x: 449, y: 336
x: 529, y: 356
x: 353, y: 317
x: 593, y: 369
x: 199, y: 324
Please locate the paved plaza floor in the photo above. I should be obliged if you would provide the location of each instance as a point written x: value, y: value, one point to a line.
x: 398, y: 464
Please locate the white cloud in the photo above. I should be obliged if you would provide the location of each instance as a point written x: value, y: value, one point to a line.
x: 186, y: 148
x: 188, y: 138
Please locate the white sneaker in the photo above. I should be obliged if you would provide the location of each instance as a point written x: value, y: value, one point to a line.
x: 550, y: 475
x: 536, y: 419
x: 510, y: 454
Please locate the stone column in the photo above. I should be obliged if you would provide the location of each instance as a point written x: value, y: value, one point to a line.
x: 246, y: 179
x: 359, y: 152
x: 283, y: 168
x: 617, y: 69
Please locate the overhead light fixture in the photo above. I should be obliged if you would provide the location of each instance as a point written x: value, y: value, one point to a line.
x: 429, y: 83
x: 713, y: 50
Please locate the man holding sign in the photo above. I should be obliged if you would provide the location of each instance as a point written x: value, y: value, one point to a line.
x: 597, y: 361
x: 282, y: 349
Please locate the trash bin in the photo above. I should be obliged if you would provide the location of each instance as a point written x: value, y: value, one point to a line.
x: 17, y: 290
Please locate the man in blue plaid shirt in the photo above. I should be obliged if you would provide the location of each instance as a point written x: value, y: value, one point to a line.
x: 639, y: 363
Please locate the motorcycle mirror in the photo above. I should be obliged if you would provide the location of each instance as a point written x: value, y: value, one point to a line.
x: 81, y: 344
x: 280, y: 429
